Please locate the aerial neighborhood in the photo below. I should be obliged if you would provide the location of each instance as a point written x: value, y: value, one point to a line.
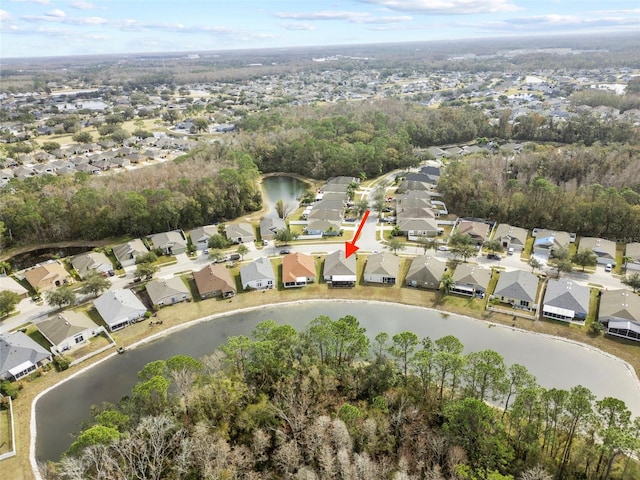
x: 468, y: 257
x: 414, y: 240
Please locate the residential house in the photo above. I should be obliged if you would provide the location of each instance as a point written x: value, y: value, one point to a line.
x: 620, y: 312
x: 127, y: 253
x: 240, y: 233
x: 171, y: 243
x: 417, y: 228
x: 548, y: 240
x: 406, y: 201
x: 168, y: 291
x: 335, y: 187
x: 214, y: 280
x: 68, y: 330
x: 325, y: 204
x: 415, y: 212
x: 340, y: 271
x: 20, y: 356
x: 477, y: 231
x: 633, y: 253
x: 323, y: 227
x: 258, y: 275
x: 343, y: 180
x: 425, y: 272
x: 414, y: 185
x: 48, y: 275
x: 517, y: 288
x: 511, y: 237
x: 325, y: 214
x: 331, y: 196
x: 269, y: 226
x: 382, y: 267
x: 119, y: 307
x: 470, y: 280
x: 604, y: 249
x: 566, y: 300
x: 8, y: 283
x: 85, y: 263
x: 298, y: 270
x: 200, y: 236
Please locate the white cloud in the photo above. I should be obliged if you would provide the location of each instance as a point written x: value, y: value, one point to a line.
x: 4, y: 15
x: 449, y: 7
x: 41, y: 2
x: 56, y: 13
x: 298, y: 26
x: 326, y: 15
x: 352, y: 17
x: 82, y: 5
x: 553, y: 22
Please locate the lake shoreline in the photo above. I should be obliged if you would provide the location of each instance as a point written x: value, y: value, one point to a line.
x: 190, y: 323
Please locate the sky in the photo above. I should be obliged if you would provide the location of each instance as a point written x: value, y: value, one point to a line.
x: 35, y: 28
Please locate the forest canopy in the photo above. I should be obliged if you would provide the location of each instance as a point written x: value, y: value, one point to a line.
x: 591, y: 163
x: 330, y: 403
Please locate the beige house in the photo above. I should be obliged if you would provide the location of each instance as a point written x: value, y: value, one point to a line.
x: 477, y: 231
x: 47, y: 276
x: 215, y: 280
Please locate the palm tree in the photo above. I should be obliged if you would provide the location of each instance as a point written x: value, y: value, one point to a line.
x: 5, y: 267
x: 447, y: 284
x: 394, y: 244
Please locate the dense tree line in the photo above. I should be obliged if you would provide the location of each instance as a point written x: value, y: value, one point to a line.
x: 209, y: 185
x: 329, y: 403
x: 375, y: 137
x: 591, y: 191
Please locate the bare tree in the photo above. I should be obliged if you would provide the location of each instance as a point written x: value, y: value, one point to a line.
x: 535, y: 473
x: 288, y: 457
x: 365, y: 468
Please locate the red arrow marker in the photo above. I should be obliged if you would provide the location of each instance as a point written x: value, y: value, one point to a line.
x: 350, y: 247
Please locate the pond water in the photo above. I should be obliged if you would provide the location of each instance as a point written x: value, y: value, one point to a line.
x: 285, y: 188
x: 555, y: 363
x: 33, y: 257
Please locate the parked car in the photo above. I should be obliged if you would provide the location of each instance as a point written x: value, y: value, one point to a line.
x: 444, y: 248
x: 234, y: 256
x: 510, y: 251
x: 608, y: 267
x: 493, y: 256
x: 285, y: 251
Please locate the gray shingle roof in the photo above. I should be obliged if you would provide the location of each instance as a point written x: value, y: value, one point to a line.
x: 336, y: 264
x: 118, y: 304
x: 260, y: 269
x: 564, y: 293
x: 517, y: 284
x: 17, y: 348
x: 65, y: 325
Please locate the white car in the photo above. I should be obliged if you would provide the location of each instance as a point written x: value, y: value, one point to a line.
x: 443, y: 248
x: 608, y: 267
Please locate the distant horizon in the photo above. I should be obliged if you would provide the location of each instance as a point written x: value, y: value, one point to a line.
x: 67, y: 28
x: 185, y: 53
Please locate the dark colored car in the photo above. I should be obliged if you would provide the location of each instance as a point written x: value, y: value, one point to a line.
x: 234, y: 256
x: 493, y: 256
x: 285, y: 251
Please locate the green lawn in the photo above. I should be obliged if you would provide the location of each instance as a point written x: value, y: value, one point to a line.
x: 5, y: 431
